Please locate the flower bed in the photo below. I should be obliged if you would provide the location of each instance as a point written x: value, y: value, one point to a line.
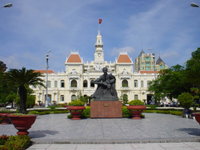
x: 17, y: 142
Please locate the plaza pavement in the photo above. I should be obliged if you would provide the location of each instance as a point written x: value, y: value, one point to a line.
x: 156, y: 131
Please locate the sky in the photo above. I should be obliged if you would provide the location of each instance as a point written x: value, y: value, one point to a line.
x: 31, y: 28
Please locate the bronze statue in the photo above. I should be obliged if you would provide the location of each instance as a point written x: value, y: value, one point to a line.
x: 106, y: 87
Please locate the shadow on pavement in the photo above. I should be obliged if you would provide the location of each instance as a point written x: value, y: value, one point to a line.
x: 41, y: 133
x: 191, y: 131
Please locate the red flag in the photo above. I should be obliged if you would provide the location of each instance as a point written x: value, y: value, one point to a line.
x: 100, y: 20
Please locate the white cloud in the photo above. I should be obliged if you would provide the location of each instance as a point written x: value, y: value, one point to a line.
x: 115, y: 51
x: 170, y: 55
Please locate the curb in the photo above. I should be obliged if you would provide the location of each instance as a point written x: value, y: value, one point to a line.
x: 119, y: 142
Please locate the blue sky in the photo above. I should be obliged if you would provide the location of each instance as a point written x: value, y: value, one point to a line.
x: 31, y: 28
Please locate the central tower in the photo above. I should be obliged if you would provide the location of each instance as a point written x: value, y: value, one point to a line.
x: 98, y: 55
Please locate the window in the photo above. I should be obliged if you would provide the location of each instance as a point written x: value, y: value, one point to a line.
x: 55, y: 84
x: 49, y: 84
x: 62, y: 98
x: 62, y: 84
x: 148, y: 68
x: 135, y: 83
x: 162, y: 67
x: 73, y: 83
x: 91, y: 83
x: 142, y: 83
x: 147, y: 58
x: 73, y: 97
x: 135, y: 97
x: 85, y: 83
x: 147, y: 64
x: 124, y: 83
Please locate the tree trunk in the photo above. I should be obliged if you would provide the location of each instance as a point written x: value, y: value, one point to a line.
x: 23, y: 97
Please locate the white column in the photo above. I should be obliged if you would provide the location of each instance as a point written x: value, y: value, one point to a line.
x: 53, y: 97
x: 65, y: 97
x: 88, y: 83
x: 42, y: 98
x: 57, y: 97
x: 139, y: 83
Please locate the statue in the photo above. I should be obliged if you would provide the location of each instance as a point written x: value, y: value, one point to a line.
x: 106, y: 87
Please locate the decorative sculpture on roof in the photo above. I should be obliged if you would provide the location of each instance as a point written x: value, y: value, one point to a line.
x: 106, y: 87
x: 124, y: 71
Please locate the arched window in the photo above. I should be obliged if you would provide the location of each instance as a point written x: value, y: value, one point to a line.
x: 62, y: 98
x: 135, y: 83
x: 73, y: 83
x: 91, y: 83
x: 73, y: 97
x: 85, y: 84
x: 49, y: 84
x: 142, y: 83
x: 124, y: 83
x: 62, y: 83
x: 135, y: 97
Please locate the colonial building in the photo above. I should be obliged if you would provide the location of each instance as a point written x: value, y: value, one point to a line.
x: 146, y: 62
x: 63, y: 87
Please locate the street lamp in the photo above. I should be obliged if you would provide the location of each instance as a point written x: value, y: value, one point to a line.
x: 154, y: 61
x: 46, y: 100
x: 7, y: 5
x: 194, y: 5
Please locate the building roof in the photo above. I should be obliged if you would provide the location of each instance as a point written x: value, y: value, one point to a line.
x: 159, y: 61
x: 44, y: 71
x: 74, y: 58
x: 124, y: 58
x: 141, y: 53
x: 148, y: 71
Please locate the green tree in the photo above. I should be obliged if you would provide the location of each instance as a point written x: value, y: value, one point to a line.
x: 125, y: 99
x: 170, y: 83
x: 192, y: 71
x: 22, y: 78
x: 5, y: 89
x: 30, y: 101
x: 186, y: 100
x: 11, y: 98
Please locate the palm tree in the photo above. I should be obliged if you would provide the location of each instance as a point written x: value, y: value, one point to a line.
x: 23, y: 78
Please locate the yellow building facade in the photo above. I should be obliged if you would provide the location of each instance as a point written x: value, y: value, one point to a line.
x: 63, y: 87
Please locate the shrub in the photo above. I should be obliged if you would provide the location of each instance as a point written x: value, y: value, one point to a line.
x: 86, y: 113
x: 125, y: 112
x: 44, y: 112
x: 63, y: 105
x: 186, y: 100
x: 151, y: 106
x: 142, y: 116
x: 136, y: 102
x: 179, y: 113
x: 18, y: 142
x: 3, y: 139
x: 0, y: 120
x: 69, y: 116
x: 33, y: 112
x: 53, y: 107
x: 76, y: 103
x: 5, y: 111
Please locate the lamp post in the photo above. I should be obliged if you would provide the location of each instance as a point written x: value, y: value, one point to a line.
x: 46, y: 100
x: 194, y: 5
x: 7, y: 5
x: 154, y: 61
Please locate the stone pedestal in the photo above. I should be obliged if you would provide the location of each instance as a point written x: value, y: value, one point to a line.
x: 105, y: 109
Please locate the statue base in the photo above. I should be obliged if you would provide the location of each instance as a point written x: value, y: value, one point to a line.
x: 105, y: 109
